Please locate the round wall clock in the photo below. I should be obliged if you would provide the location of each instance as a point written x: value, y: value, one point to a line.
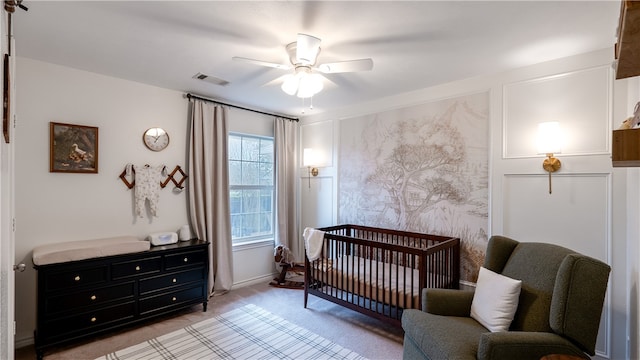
x: 156, y: 139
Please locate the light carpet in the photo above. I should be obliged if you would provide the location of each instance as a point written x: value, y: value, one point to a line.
x: 249, y: 332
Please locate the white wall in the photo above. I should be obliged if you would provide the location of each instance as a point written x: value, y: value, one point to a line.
x: 588, y: 209
x: 57, y: 207
x: 7, y: 211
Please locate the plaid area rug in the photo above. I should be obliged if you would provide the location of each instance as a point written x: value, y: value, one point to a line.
x: 245, y: 333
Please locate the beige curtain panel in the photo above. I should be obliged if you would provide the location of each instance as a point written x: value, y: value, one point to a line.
x: 286, y: 171
x: 209, y: 203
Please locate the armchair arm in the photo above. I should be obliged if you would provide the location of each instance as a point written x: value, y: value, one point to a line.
x: 524, y: 345
x: 447, y: 302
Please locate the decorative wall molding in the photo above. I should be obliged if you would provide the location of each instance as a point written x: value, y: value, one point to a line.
x: 319, y: 137
x: 318, y: 196
x: 578, y: 198
x: 580, y: 100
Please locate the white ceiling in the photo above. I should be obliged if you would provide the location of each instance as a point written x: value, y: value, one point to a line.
x: 414, y: 44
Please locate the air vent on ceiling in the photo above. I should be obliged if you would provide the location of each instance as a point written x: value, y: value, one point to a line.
x: 211, y: 79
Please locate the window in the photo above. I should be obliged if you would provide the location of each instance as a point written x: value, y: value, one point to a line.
x: 251, y: 187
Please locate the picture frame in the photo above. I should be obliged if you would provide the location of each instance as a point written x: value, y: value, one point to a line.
x: 6, y: 99
x: 73, y: 148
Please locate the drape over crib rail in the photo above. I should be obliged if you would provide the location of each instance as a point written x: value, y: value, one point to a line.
x: 208, y: 189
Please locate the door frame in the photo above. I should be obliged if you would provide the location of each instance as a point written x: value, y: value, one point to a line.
x: 7, y: 218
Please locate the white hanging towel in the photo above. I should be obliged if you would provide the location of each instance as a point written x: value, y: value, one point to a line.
x: 313, y: 242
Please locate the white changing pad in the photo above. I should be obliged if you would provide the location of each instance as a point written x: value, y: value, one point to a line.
x: 86, y: 249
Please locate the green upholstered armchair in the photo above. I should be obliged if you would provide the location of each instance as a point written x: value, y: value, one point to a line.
x: 558, y: 312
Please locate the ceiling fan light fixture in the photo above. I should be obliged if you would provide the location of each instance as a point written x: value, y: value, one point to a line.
x: 303, y: 83
x: 290, y: 84
x: 309, y: 85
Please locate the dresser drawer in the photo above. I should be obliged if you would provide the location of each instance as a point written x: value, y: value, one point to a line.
x: 187, y: 258
x: 90, y: 320
x: 175, y: 279
x: 76, y: 278
x: 136, y: 267
x: 98, y: 296
x: 166, y: 301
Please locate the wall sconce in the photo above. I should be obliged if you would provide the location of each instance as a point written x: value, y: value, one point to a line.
x: 309, y: 160
x: 549, y: 141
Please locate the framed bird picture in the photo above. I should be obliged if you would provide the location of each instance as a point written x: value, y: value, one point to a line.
x: 73, y: 148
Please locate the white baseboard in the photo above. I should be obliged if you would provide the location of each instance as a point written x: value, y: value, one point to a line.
x: 24, y: 342
x: 256, y: 280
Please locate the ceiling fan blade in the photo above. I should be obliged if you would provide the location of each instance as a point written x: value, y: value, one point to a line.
x: 262, y: 63
x: 346, y: 66
x: 307, y: 49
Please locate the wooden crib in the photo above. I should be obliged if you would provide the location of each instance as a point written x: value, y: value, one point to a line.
x: 380, y: 272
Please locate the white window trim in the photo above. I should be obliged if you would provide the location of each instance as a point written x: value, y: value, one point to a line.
x: 253, y: 244
x: 258, y: 241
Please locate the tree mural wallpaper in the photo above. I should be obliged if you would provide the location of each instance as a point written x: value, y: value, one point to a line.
x: 422, y: 168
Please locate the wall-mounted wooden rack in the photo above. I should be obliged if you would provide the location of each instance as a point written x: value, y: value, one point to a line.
x: 171, y: 177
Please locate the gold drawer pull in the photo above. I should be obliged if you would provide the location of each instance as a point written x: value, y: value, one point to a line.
x: 77, y: 278
x: 137, y: 268
x: 93, y: 297
x: 174, y: 280
x: 186, y: 259
x: 174, y: 299
x: 93, y: 319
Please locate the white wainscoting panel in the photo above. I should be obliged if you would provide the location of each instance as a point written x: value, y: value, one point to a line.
x: 319, y: 137
x: 532, y: 214
x: 317, y: 201
x: 579, y: 101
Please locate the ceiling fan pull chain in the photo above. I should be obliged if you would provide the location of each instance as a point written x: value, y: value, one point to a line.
x: 311, y: 101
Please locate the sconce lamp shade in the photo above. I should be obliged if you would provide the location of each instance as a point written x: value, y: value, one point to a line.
x: 550, y: 142
x: 549, y: 138
x: 308, y: 158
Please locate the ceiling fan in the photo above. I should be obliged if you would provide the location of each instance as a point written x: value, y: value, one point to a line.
x: 303, y: 55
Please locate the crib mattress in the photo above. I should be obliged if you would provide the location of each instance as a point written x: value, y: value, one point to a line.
x: 379, y: 281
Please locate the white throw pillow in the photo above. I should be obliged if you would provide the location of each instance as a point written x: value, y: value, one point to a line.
x: 495, y: 300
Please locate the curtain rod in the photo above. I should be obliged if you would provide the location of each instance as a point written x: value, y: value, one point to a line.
x: 189, y: 96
